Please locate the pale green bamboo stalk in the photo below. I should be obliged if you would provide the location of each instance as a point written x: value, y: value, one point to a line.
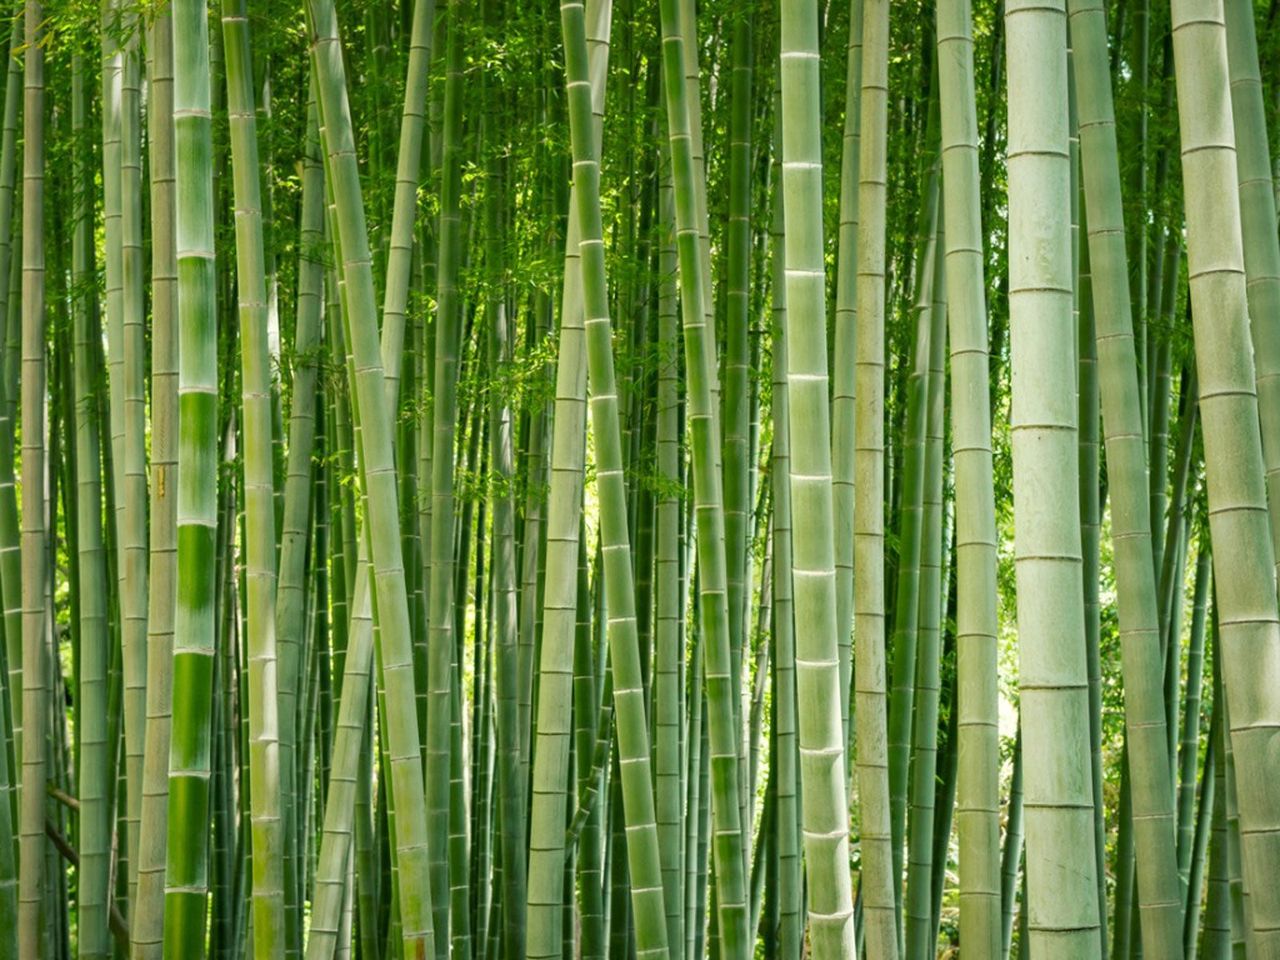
x: 378, y: 487
x: 722, y: 686
x: 35, y: 612
x: 843, y: 363
x: 1259, y: 234
x: 295, y: 524
x: 549, y: 774
x: 824, y: 819
x: 1243, y: 557
x: 790, y: 895
x: 146, y: 929
x: 870, y: 693
x: 92, y: 786
x: 1146, y: 736
x: 978, y: 777
x: 267, y: 835
x: 1062, y: 903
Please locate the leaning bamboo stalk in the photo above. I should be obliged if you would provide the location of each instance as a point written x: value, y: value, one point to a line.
x: 724, y: 736
x: 378, y: 486
x: 1146, y: 737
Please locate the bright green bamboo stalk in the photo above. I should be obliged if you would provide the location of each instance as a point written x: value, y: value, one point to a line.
x: 1061, y: 872
x: 978, y: 777
x: 870, y: 710
x: 842, y: 363
x: 186, y: 876
x: 267, y: 835
x: 1259, y: 234
x: 379, y: 489
x: 1150, y: 779
x: 92, y: 786
x: 1243, y: 557
x: 921, y: 940
x: 35, y: 612
x: 724, y: 736
x: 644, y: 862
x: 824, y: 819
x: 910, y: 534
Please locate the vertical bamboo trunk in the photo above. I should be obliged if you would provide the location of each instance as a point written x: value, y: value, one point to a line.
x: 132, y: 498
x: 870, y: 710
x: 976, y: 540
x: 95, y: 812
x: 186, y: 874
x: 1243, y: 557
x: 783, y: 735
x: 1062, y: 903
x: 267, y: 833
x: 33, y: 922
x: 147, y: 923
x: 843, y: 371
x: 824, y: 820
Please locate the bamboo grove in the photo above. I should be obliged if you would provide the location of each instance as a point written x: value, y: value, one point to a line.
x: 749, y: 478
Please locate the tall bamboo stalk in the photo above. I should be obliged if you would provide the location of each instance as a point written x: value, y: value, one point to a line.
x: 36, y: 614
x: 1243, y: 558
x: 870, y: 686
x: 1062, y: 907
